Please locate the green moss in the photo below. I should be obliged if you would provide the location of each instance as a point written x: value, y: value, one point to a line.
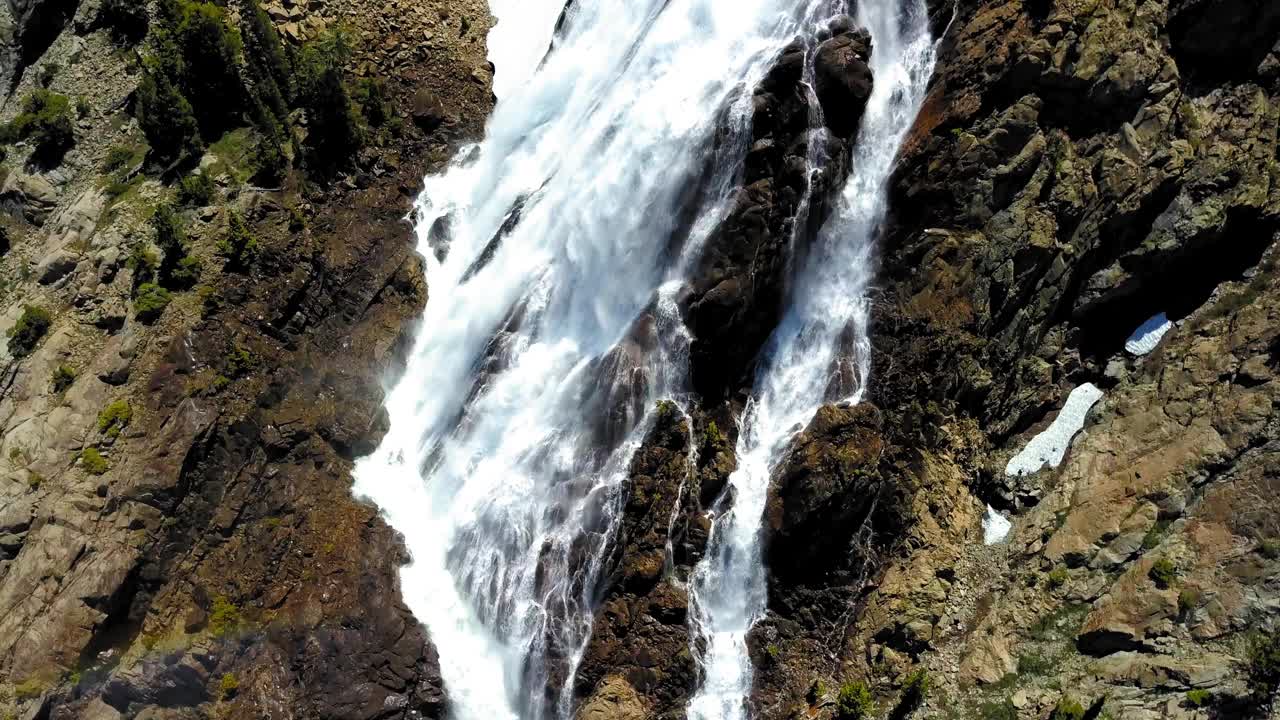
x: 239, y: 246
x: 1199, y: 698
x: 1163, y: 573
x: 30, y: 329
x: 114, y: 418
x: 151, y: 302
x: 224, y: 616
x: 29, y: 689
x: 93, y: 462
x: 854, y: 702
x: 62, y: 378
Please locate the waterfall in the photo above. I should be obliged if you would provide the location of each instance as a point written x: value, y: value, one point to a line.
x: 555, y: 250
x: 825, y: 327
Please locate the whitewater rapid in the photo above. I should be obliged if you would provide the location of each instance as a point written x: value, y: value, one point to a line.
x: 555, y: 250
x: 821, y: 340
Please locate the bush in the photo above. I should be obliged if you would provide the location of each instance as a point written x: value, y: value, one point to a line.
x: 62, y: 378
x: 855, y: 702
x: 30, y: 689
x: 1264, y: 667
x: 228, y: 685
x: 125, y: 19
x: 93, y: 462
x: 1058, y: 577
x: 374, y: 101
x: 199, y: 52
x: 1270, y: 548
x: 1199, y: 698
x: 1188, y: 599
x: 267, y: 64
x: 334, y: 133
x: 145, y: 264
x: 151, y: 302
x: 1067, y: 709
x: 239, y: 246
x: 46, y: 120
x: 914, y: 690
x: 177, y: 270
x: 31, y: 327
x: 114, y: 418
x: 167, y: 118
x: 224, y: 616
x: 196, y: 189
x: 998, y: 710
x: 1163, y: 573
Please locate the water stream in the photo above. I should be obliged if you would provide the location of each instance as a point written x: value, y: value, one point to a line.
x: 555, y: 250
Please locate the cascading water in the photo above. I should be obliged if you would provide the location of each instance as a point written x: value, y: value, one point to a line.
x: 555, y: 250
x: 803, y: 361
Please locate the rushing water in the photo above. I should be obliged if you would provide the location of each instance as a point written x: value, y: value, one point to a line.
x: 555, y: 251
x: 820, y: 345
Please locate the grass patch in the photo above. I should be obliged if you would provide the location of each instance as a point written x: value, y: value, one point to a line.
x: 30, y: 329
x: 114, y: 418
x: 93, y: 462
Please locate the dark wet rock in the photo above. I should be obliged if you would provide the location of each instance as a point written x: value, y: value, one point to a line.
x: 739, y: 291
x: 843, y: 78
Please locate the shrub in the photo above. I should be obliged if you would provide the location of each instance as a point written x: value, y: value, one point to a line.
x: 62, y: 379
x: 239, y: 246
x: 145, y: 264
x: 114, y: 418
x: 228, y: 685
x: 1198, y: 698
x: 177, y: 269
x: 93, y: 462
x: 1058, y: 577
x: 224, y: 616
x: 125, y: 19
x: 1270, y: 548
x: 199, y: 52
x: 31, y: 327
x: 29, y: 689
x: 1067, y: 709
x: 167, y: 118
x: 239, y: 362
x: 1188, y: 599
x: 1163, y: 573
x: 1264, y: 667
x: 1034, y: 664
x: 196, y: 189
x: 855, y: 702
x: 375, y: 103
x: 151, y: 301
x: 914, y: 690
x: 998, y: 710
x: 46, y: 120
x: 334, y: 134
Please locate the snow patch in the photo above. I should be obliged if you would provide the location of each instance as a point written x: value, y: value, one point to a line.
x: 1148, y: 335
x: 995, y: 527
x: 1049, y: 447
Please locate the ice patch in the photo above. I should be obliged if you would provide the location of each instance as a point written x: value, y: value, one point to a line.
x: 1050, y: 446
x: 1148, y: 335
x: 995, y: 527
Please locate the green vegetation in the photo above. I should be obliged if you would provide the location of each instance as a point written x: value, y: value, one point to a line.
x: 1058, y: 577
x: 145, y: 264
x: 914, y: 690
x: 177, y: 269
x: 1188, y: 599
x: 114, y: 418
x: 126, y: 19
x: 370, y: 95
x: 855, y: 702
x: 998, y: 710
x: 167, y: 118
x: 1163, y: 573
x: 29, y: 689
x: 1157, y: 532
x: 239, y: 246
x: 31, y: 327
x: 228, y: 685
x: 224, y: 616
x: 1199, y: 698
x: 93, y: 462
x: 335, y: 131
x: 46, y: 121
x: 1034, y: 663
x: 1067, y: 709
x: 196, y: 189
x: 240, y: 362
x: 62, y: 378
x: 1264, y: 667
x: 1270, y: 548
x: 150, y: 302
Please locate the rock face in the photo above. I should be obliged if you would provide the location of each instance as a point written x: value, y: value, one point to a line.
x: 739, y: 292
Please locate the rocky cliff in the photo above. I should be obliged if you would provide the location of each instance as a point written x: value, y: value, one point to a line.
x: 194, y: 358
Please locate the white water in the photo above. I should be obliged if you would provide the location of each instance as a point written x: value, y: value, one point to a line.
x: 540, y: 353
x: 824, y: 330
